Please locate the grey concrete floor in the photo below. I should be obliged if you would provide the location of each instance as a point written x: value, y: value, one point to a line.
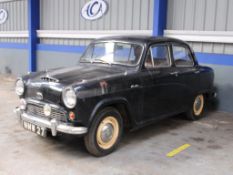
x: 140, y: 152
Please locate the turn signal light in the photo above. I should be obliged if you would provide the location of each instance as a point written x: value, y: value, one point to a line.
x: 72, y: 116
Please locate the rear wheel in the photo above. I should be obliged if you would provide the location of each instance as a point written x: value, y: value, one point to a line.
x: 105, y: 132
x: 197, y: 110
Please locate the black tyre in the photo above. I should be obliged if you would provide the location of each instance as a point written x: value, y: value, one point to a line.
x: 105, y: 132
x: 197, y: 109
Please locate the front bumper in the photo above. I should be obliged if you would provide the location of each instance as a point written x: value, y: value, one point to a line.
x: 54, y: 125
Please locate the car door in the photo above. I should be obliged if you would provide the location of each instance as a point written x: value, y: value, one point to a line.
x: 159, y: 83
x: 187, y: 73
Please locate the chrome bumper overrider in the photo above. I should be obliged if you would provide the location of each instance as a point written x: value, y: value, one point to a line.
x: 53, y: 124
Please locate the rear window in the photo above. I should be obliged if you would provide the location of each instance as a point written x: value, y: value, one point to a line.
x: 182, y: 56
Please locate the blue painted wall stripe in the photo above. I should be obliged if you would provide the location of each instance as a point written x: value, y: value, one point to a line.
x: 14, y: 45
x: 33, y: 25
x: 217, y: 59
x: 60, y: 48
x: 160, y: 17
x: 203, y: 58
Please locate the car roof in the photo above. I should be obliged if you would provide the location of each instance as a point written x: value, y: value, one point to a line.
x: 141, y: 39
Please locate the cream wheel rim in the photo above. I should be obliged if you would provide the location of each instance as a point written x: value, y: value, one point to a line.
x: 198, y: 105
x: 107, y: 132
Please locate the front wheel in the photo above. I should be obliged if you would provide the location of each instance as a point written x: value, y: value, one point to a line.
x: 105, y: 132
x: 197, y: 110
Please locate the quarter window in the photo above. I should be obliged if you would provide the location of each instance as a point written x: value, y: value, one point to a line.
x: 182, y: 56
x: 157, y: 56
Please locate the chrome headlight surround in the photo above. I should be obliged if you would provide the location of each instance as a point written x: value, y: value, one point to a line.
x: 19, y: 87
x: 69, y: 97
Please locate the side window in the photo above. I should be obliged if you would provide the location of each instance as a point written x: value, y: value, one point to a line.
x: 127, y: 53
x: 157, y: 56
x: 182, y: 56
x: 98, y: 51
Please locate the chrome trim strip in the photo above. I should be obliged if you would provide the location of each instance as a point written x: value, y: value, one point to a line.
x: 48, y: 78
x: 40, y: 103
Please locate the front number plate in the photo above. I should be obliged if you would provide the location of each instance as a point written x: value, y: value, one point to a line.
x: 34, y: 128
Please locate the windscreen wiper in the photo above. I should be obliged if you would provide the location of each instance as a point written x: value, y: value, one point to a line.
x: 100, y: 60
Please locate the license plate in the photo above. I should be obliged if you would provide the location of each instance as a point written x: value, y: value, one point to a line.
x: 34, y: 128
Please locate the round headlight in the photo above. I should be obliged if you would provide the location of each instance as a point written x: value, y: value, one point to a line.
x: 19, y: 87
x: 69, y: 98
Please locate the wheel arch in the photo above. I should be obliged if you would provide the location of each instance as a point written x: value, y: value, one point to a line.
x: 206, y: 92
x: 121, y: 104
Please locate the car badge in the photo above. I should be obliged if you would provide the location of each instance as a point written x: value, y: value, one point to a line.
x: 47, y: 110
x: 39, y: 96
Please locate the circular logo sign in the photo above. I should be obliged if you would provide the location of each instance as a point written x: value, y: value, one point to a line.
x: 3, y: 16
x: 94, y: 9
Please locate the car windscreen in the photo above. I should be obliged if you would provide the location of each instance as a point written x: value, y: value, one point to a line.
x: 113, y: 53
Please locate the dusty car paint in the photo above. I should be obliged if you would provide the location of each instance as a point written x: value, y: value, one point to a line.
x: 147, y: 94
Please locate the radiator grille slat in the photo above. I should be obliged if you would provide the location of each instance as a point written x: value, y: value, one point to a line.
x: 49, y: 79
x: 38, y: 111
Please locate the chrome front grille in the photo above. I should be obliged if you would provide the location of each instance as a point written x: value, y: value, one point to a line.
x: 49, y: 95
x: 39, y: 111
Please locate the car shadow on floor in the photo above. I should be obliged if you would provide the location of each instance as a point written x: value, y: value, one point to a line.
x: 169, y: 125
x: 68, y: 144
x: 74, y: 145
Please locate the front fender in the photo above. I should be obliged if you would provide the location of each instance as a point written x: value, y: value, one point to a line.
x: 109, y: 102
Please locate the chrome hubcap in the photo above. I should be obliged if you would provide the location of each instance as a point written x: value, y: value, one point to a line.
x: 198, y: 105
x: 107, y: 132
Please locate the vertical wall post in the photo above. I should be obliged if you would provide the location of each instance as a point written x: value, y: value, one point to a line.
x: 33, y: 25
x: 160, y: 17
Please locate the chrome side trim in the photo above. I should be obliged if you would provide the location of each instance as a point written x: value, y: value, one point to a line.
x: 49, y: 78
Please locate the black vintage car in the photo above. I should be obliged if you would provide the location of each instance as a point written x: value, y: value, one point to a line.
x: 119, y: 82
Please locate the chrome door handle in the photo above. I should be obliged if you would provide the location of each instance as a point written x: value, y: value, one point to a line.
x: 174, y: 73
x: 197, y: 72
x: 135, y: 86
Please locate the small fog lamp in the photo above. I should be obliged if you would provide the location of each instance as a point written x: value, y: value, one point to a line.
x: 22, y: 104
x: 72, y: 116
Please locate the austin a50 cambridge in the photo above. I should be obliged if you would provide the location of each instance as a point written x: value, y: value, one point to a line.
x: 119, y: 82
